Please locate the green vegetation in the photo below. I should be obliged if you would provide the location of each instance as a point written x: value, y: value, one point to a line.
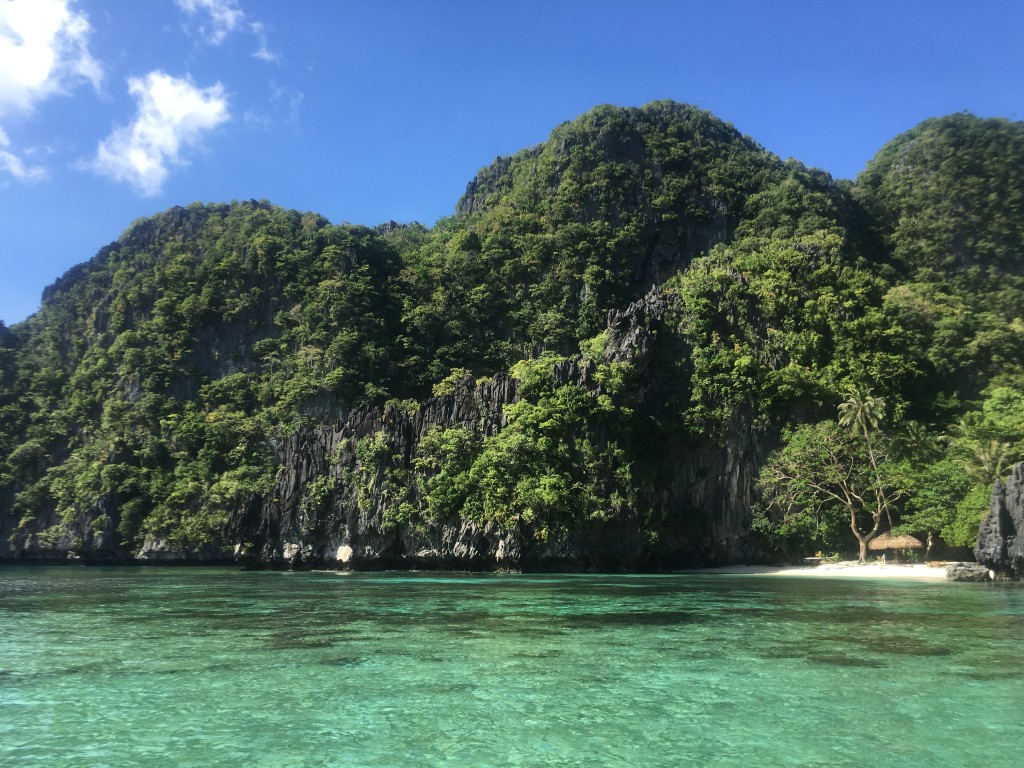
x: 156, y: 376
x: 872, y: 333
x: 553, y: 466
x: 945, y: 204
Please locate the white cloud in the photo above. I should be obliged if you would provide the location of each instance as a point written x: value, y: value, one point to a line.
x: 173, y: 116
x: 224, y: 17
x: 221, y: 18
x: 14, y: 165
x: 263, y: 53
x: 44, y: 49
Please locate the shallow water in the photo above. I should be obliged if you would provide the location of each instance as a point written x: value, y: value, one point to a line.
x: 201, y: 667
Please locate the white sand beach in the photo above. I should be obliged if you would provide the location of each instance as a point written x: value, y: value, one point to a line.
x: 843, y: 570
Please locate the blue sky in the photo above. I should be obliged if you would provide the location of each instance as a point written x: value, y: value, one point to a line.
x: 114, y: 109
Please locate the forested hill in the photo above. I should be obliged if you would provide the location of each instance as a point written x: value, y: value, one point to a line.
x: 647, y: 342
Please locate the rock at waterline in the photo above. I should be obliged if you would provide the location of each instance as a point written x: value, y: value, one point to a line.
x: 967, y: 572
x: 1000, y: 545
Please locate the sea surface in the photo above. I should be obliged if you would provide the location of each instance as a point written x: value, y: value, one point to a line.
x: 220, y: 667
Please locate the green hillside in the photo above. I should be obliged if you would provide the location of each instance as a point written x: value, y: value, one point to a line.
x: 814, y: 354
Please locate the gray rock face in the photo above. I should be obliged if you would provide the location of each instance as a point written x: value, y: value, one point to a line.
x: 967, y: 572
x: 698, y: 490
x: 286, y: 529
x: 47, y: 538
x: 629, y: 335
x: 1001, y: 537
x: 157, y: 550
x: 704, y: 492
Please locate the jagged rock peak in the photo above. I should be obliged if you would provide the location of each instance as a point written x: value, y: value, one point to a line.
x: 629, y: 331
x: 1001, y: 537
x: 389, y: 226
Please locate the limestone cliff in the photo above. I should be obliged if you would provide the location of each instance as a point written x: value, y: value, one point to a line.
x: 1000, y: 541
x: 315, y: 516
x: 289, y: 528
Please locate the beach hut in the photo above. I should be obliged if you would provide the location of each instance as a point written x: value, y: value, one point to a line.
x: 887, y: 542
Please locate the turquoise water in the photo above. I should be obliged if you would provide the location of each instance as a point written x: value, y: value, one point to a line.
x: 204, y: 667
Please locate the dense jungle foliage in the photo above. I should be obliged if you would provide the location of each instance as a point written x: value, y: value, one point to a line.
x: 872, y: 331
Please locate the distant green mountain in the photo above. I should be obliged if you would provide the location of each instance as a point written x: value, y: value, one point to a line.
x: 610, y: 356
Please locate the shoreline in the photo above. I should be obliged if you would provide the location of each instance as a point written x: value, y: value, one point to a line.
x: 841, y: 570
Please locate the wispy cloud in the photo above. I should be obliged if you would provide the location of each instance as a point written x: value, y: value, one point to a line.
x: 15, y: 166
x: 173, y: 116
x: 219, y: 18
x: 44, y: 51
x: 290, y: 99
x: 263, y: 53
x: 223, y: 17
x: 284, y: 109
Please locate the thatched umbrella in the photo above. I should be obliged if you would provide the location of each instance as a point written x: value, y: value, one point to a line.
x: 888, y: 541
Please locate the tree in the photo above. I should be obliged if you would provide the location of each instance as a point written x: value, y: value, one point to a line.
x: 862, y: 412
x: 980, y: 448
x: 937, y: 488
x: 988, y: 461
x: 822, y: 477
x: 551, y: 466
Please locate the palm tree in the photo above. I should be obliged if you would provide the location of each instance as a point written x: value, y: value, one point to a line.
x: 968, y: 425
x: 989, y: 461
x: 916, y: 442
x: 863, y: 412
